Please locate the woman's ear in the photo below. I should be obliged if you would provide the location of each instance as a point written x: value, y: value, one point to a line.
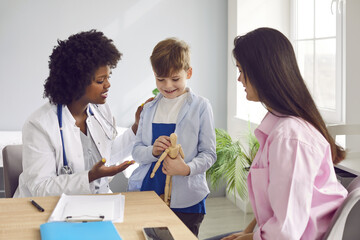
x: 189, y: 73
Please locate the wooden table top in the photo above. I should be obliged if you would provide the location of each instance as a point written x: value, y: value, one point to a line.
x: 351, y: 165
x: 19, y: 219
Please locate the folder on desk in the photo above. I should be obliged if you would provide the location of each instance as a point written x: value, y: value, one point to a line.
x: 88, y: 231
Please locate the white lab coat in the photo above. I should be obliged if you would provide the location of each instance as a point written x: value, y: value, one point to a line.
x: 43, y: 153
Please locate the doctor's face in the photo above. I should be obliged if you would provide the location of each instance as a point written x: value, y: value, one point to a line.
x: 97, y: 91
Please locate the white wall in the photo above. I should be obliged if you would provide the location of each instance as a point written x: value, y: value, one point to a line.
x: 29, y: 30
x: 352, y: 82
x: 245, y: 16
x: 276, y: 14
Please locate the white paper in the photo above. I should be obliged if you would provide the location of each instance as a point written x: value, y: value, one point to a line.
x: 111, y: 206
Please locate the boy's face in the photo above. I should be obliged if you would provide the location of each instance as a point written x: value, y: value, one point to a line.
x: 174, y: 85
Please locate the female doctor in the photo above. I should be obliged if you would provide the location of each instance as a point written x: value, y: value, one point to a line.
x: 70, y: 144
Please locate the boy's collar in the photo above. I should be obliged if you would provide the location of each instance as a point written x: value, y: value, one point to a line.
x: 159, y: 96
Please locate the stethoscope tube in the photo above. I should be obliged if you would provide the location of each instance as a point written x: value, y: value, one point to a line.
x: 66, y: 168
x: 59, y: 115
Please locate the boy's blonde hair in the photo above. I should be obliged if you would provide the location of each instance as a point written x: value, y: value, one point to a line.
x: 170, y: 56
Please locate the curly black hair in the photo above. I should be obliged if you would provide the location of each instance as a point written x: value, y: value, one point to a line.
x: 73, y: 64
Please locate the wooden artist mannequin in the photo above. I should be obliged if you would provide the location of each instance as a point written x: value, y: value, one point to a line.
x: 172, y: 151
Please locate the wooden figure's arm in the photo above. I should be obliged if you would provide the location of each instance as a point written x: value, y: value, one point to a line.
x: 181, y: 152
x: 157, y: 165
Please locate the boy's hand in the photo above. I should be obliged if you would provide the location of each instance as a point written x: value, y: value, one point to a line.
x: 99, y: 170
x: 160, y: 145
x: 176, y: 166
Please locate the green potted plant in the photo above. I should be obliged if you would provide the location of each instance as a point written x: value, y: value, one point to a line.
x: 233, y: 163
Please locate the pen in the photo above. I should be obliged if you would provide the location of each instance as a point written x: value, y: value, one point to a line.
x: 37, y: 205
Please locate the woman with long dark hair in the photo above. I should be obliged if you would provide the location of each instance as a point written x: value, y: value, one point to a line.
x: 292, y: 184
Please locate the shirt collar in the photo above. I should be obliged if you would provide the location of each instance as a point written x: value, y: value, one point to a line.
x: 189, y: 98
x: 67, y: 114
x: 268, y: 123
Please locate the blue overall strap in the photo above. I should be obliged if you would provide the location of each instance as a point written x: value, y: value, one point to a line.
x: 59, y: 115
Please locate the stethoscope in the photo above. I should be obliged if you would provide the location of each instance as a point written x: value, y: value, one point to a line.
x: 66, y: 169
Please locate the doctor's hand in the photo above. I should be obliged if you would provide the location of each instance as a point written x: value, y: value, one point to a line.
x: 99, y: 170
x: 135, y: 126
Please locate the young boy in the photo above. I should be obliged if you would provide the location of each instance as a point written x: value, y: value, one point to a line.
x: 175, y: 109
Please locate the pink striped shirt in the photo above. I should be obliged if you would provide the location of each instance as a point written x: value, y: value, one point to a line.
x: 292, y: 184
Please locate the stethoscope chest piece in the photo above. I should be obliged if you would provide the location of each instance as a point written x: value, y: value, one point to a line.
x: 66, y: 170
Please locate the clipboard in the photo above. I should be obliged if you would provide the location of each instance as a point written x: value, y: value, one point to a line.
x: 89, y: 208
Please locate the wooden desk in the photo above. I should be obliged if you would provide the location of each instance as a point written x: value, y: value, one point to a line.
x: 351, y: 165
x: 21, y: 220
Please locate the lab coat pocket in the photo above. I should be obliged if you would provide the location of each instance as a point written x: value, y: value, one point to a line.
x: 259, y: 178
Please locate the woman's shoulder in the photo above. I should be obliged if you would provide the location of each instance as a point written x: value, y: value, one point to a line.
x: 43, y: 113
x: 42, y: 118
x: 295, y: 128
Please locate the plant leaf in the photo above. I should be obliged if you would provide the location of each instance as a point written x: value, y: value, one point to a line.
x: 155, y: 91
x: 232, y: 163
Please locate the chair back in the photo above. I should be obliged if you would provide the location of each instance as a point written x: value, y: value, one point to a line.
x: 344, y: 224
x: 12, y: 160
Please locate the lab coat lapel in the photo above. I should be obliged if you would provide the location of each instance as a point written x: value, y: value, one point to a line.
x: 72, y: 142
x: 96, y: 127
